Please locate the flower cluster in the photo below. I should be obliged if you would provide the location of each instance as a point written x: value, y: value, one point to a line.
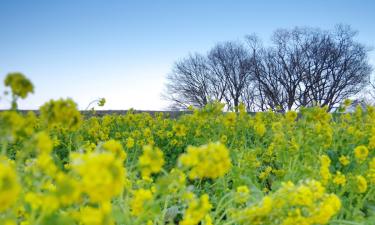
x: 140, y: 198
x: 102, y: 175
x: 62, y: 112
x: 324, y: 168
x: 197, y: 211
x: 151, y: 161
x: 20, y: 85
x: 9, y: 187
x: 207, y: 161
x: 306, y: 203
x: 361, y: 153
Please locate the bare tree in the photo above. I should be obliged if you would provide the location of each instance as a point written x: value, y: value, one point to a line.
x: 276, y: 72
x: 303, y: 67
x: 189, y: 83
x: 307, y: 66
x: 221, y: 76
x: 231, y: 64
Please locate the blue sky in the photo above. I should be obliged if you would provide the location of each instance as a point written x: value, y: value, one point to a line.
x: 122, y: 50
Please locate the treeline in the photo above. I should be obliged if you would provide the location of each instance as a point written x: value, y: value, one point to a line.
x: 301, y: 67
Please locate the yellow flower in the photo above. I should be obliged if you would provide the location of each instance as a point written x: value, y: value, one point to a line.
x: 288, y: 203
x: 129, y: 142
x: 174, y: 142
x: 44, y: 201
x: 329, y: 207
x: 34, y: 200
x: 265, y: 190
x: 291, y: 116
x: 140, y: 197
x: 361, y: 153
x: 344, y: 160
x: 95, y: 216
x: 295, y: 217
x: 115, y: 147
x: 102, y: 175
x: 371, y: 144
x: 339, y: 179
x: 46, y: 164
x: 256, y: 213
x: 89, y: 147
x: 9, y: 222
x: 12, y: 125
x: 67, y: 189
x: 20, y: 85
x: 188, y: 196
x: 206, y: 161
x: 263, y: 175
x: 325, y: 162
x: 180, y: 130
x: 44, y: 143
x: 230, y: 119
x: 361, y: 184
x: 197, y: 210
x: 62, y: 112
x: 151, y: 161
x: 223, y: 139
x: 9, y: 186
x: 260, y: 128
x: 50, y: 203
x: 147, y: 132
x: 208, y: 220
x: 242, y: 194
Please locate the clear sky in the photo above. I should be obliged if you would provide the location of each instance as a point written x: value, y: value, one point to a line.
x: 122, y: 50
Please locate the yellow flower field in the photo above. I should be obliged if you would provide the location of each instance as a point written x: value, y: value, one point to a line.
x: 207, y: 167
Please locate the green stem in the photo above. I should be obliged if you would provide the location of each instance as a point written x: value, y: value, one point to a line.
x: 165, y: 210
x: 220, y: 206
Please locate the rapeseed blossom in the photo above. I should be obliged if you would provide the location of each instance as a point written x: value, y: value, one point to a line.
x: 44, y: 143
x: 242, y: 194
x: 325, y: 174
x: 129, y: 143
x: 361, y: 153
x: 260, y: 128
x: 20, y: 85
x: 197, y: 210
x: 180, y: 130
x: 287, y: 204
x: 68, y: 190
x: 151, y: 161
x: 344, y: 160
x: 102, y: 175
x: 9, y: 186
x: 140, y: 197
x: 206, y: 161
x: 62, y: 112
x: 116, y: 148
x: 95, y: 215
x: 339, y: 179
x: 361, y: 184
